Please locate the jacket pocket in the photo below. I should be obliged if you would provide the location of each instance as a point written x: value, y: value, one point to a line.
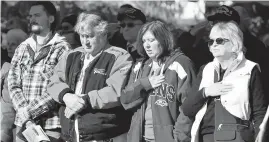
x: 224, y: 135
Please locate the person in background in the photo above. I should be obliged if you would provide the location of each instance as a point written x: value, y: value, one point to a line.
x: 131, y: 20
x: 184, y: 41
x: 67, y: 30
x: 157, y: 87
x: 31, y: 67
x: 256, y: 50
x: 17, y: 23
x: 4, y: 54
x: 14, y: 38
x: 115, y: 36
x: 230, y: 98
x: 87, y: 83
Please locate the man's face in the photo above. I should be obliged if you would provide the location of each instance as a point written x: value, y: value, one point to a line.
x: 39, y: 19
x: 256, y: 25
x: 130, y: 28
x: 92, y: 42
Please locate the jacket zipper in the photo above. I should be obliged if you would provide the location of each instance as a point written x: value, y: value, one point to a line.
x: 142, y: 121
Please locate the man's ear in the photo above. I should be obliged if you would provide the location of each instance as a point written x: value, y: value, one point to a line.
x: 51, y: 19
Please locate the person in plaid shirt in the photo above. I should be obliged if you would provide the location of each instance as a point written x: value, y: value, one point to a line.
x: 31, y: 68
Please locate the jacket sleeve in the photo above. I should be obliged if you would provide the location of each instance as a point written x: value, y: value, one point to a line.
x: 258, y: 102
x: 57, y: 87
x: 195, y: 100
x: 15, y: 80
x: 135, y: 91
x: 182, y: 128
x: 45, y: 102
x: 109, y: 96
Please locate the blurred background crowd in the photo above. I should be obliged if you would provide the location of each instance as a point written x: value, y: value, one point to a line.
x: 183, y: 15
x: 186, y: 19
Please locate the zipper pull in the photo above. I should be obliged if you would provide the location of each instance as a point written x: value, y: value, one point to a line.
x: 219, y: 127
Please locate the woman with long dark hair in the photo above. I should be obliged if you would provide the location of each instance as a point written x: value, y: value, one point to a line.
x: 157, y: 86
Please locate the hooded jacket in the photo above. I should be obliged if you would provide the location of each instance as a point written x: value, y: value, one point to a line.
x: 29, y: 76
x: 169, y: 122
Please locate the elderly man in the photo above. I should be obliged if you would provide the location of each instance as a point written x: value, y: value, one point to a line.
x: 31, y: 67
x: 87, y: 83
x: 131, y: 20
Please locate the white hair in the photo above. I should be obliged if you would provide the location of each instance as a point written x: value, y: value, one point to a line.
x: 88, y: 22
x: 17, y: 34
x: 232, y: 30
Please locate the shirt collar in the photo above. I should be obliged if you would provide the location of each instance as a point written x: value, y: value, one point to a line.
x: 46, y: 40
x: 90, y: 57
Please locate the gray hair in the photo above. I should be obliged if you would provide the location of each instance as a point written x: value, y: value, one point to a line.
x: 17, y: 34
x: 232, y: 30
x: 88, y: 22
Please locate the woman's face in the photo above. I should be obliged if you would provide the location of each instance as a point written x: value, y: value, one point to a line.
x: 220, y: 45
x: 151, y: 45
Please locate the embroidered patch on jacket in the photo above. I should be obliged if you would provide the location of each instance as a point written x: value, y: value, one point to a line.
x: 99, y: 71
x: 161, y: 103
x: 124, y: 69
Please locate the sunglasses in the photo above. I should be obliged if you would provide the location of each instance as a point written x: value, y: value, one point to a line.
x: 129, y: 25
x: 219, y: 41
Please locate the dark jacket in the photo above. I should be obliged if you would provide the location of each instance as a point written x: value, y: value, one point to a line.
x: 169, y: 122
x: 104, y: 117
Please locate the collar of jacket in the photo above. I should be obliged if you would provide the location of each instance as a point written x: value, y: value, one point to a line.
x: 146, y: 62
x: 240, y: 57
x: 53, y: 39
x: 84, y: 53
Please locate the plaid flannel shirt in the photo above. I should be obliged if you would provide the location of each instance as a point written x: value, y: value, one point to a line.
x: 28, y: 78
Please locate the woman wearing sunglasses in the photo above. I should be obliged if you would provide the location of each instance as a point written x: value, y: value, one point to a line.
x: 230, y: 97
x: 157, y: 86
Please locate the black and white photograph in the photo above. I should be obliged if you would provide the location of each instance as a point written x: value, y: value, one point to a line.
x: 134, y: 71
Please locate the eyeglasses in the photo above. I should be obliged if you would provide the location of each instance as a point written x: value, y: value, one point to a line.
x: 219, y: 41
x: 129, y: 25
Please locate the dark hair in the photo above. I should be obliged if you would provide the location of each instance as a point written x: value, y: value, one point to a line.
x: 126, y: 6
x: 50, y: 10
x: 72, y: 19
x: 13, y: 11
x: 162, y: 34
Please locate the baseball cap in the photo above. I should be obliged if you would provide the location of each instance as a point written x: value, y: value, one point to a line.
x: 72, y: 19
x: 225, y: 13
x: 131, y: 13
